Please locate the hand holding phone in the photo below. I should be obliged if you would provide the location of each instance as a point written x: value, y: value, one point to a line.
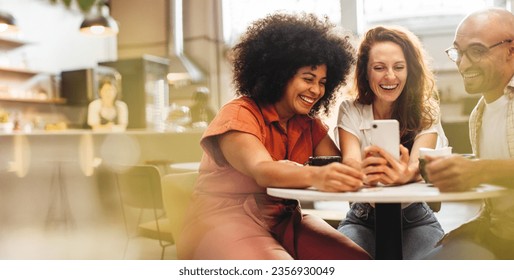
x: 386, y: 135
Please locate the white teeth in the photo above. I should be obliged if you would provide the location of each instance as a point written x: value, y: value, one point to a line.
x: 470, y: 75
x: 388, y: 87
x: 307, y: 99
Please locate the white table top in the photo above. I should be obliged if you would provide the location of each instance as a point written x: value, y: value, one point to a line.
x: 413, y: 192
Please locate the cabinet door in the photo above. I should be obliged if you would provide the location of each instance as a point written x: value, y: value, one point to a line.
x: 77, y: 86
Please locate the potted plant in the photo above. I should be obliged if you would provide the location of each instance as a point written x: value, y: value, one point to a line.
x: 84, y: 5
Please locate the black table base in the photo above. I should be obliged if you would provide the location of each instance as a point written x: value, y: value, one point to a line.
x: 388, y: 231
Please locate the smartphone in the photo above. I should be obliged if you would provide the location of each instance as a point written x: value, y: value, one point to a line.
x: 322, y: 160
x: 386, y: 135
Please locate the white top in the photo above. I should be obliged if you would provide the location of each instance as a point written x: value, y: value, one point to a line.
x: 96, y: 113
x: 356, y: 119
x: 408, y: 193
x: 494, y: 122
x: 493, y: 145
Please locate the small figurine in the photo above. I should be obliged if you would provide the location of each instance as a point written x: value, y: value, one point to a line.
x: 107, y: 113
x: 201, y: 112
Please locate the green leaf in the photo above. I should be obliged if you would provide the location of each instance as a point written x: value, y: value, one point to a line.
x: 66, y: 3
x: 85, y: 5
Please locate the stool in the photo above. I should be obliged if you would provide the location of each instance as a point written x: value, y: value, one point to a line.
x: 59, y: 210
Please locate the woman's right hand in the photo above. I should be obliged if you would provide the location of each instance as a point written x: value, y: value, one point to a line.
x: 381, y: 167
x: 337, y: 177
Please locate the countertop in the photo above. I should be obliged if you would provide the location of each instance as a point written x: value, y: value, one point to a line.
x: 89, y: 131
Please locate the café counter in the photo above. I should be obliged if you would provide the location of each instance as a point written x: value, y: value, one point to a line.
x: 22, y: 153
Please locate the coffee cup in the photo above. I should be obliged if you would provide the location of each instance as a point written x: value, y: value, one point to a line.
x: 468, y: 156
x: 441, y: 152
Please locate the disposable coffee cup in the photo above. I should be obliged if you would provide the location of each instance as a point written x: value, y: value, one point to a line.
x: 441, y: 152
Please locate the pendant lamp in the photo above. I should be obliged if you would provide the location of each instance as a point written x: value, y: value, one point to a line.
x: 7, y: 23
x: 99, y: 23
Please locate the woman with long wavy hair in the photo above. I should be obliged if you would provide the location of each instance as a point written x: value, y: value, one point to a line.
x: 392, y: 81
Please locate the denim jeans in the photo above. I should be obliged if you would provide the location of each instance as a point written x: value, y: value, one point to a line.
x: 421, y: 230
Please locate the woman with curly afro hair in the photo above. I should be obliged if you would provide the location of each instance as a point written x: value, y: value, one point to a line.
x: 287, y: 69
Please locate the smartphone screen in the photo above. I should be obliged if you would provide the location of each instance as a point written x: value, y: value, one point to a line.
x: 386, y: 135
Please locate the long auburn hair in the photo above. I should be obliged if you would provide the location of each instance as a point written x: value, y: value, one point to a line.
x: 416, y: 107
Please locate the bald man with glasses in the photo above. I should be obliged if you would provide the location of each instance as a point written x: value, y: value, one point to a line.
x: 483, y: 50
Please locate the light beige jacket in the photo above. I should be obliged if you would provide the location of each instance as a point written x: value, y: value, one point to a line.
x: 475, y: 123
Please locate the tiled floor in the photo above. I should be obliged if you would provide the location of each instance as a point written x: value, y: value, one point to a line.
x: 84, y: 221
x: 453, y: 214
x: 97, y: 244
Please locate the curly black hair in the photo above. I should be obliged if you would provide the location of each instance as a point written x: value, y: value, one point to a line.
x: 275, y: 47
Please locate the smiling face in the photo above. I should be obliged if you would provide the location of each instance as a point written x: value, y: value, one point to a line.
x: 386, y: 71
x: 492, y: 72
x: 302, y: 91
x: 108, y: 93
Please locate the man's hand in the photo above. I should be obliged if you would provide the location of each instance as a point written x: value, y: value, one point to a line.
x: 454, y: 173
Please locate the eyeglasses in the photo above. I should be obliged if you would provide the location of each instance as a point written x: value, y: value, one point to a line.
x: 474, y: 53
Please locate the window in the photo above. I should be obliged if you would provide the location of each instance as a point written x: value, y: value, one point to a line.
x: 238, y: 14
x: 421, y: 16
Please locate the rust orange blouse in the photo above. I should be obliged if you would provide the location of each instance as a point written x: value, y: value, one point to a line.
x: 243, y: 114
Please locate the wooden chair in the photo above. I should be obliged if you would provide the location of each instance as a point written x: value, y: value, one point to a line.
x: 140, y: 188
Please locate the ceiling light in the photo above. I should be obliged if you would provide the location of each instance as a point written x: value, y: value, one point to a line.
x: 100, y: 24
x: 7, y: 23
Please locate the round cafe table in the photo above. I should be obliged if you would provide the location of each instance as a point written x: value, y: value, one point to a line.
x: 388, y: 200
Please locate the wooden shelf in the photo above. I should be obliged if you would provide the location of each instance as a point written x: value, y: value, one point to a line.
x: 7, y: 44
x: 19, y: 71
x: 34, y: 100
